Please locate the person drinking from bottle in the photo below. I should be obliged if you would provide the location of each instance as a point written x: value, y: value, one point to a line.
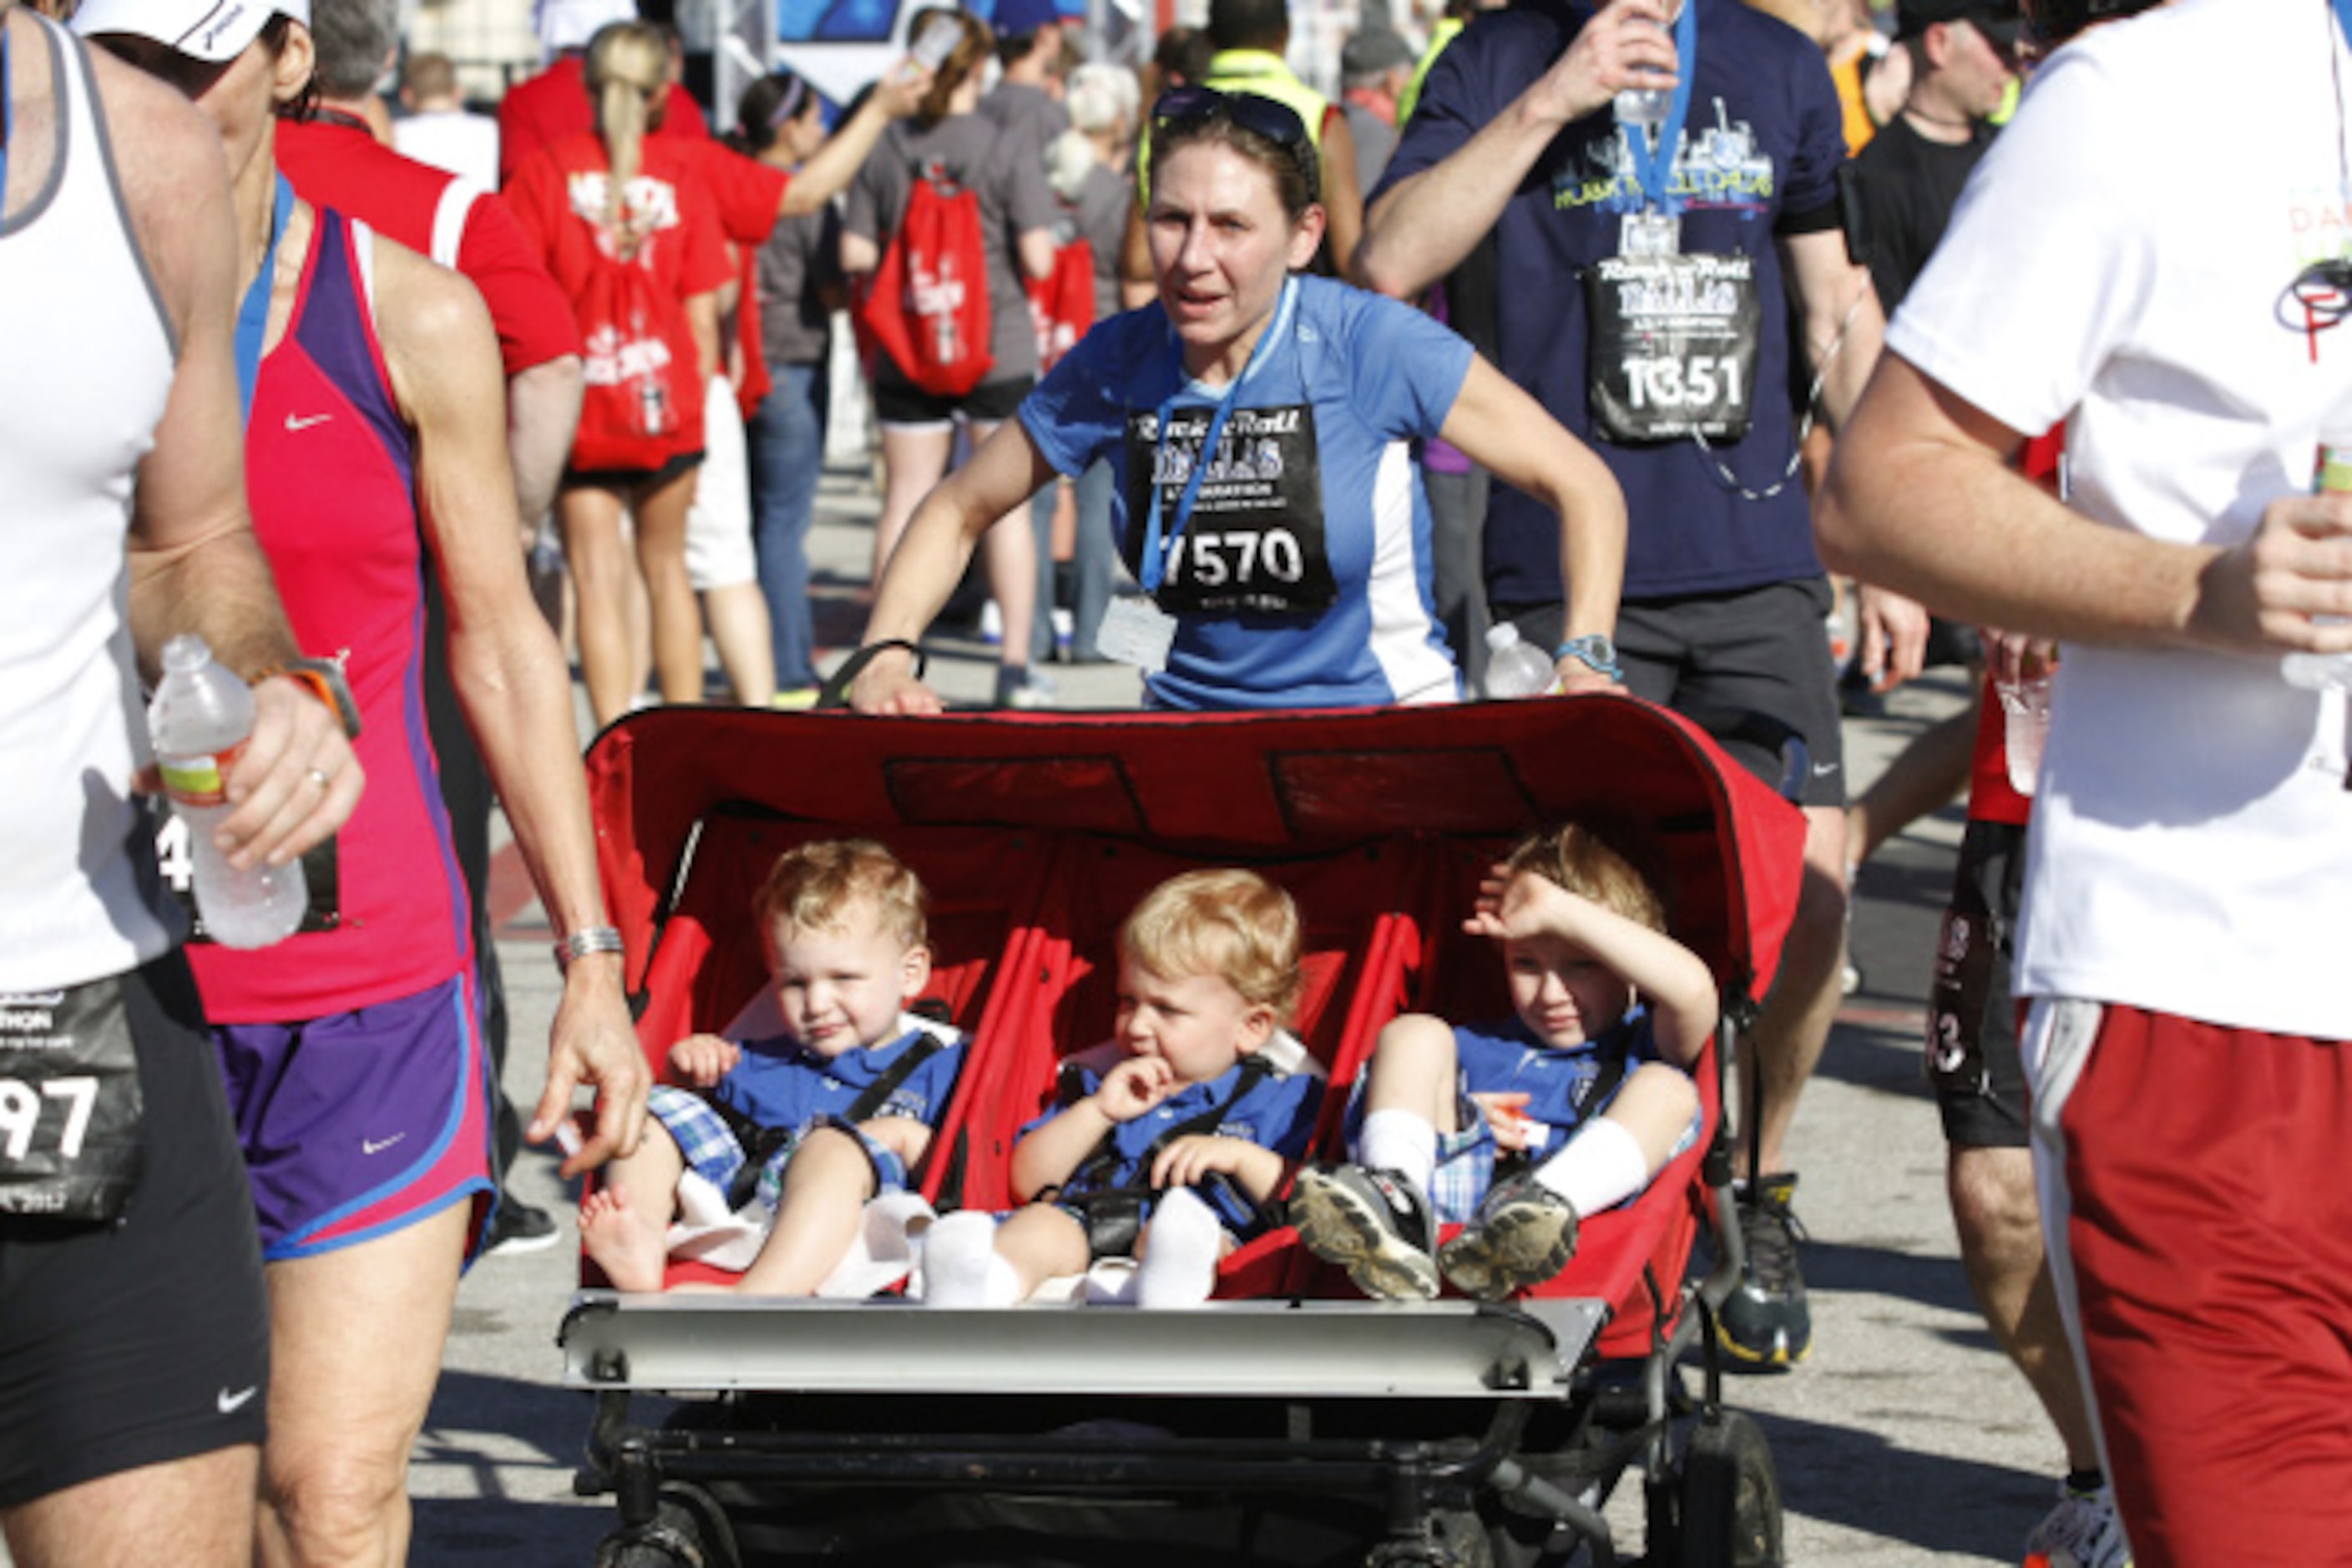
x: 1259, y: 425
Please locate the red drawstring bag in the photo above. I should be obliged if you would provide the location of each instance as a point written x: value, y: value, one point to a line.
x: 927, y: 304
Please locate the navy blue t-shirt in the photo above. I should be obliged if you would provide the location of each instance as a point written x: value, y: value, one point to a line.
x: 1761, y: 149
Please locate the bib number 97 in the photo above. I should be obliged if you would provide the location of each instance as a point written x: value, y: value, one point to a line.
x: 1702, y: 381
x: 21, y: 1105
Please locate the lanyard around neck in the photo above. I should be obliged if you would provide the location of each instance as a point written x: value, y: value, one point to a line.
x: 1654, y: 164
x: 253, y: 316
x: 1157, y: 546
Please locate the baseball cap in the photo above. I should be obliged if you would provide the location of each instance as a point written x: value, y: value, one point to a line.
x: 1999, y: 20
x: 207, y: 31
x: 1014, y: 18
x: 569, y: 24
x: 1371, y: 51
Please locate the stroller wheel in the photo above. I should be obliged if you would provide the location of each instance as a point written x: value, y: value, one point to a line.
x: 688, y: 1532
x: 1729, y: 1496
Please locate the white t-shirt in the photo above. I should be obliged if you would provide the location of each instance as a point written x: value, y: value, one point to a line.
x: 465, y: 144
x: 2119, y: 261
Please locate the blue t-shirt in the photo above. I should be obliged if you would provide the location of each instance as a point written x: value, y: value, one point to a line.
x: 1302, y: 576
x: 1278, y: 1113
x: 1759, y: 155
x: 1506, y: 1057
x: 778, y: 1082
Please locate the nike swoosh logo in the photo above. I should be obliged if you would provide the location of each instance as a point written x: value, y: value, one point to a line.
x: 294, y: 421
x: 230, y: 1404
x: 375, y: 1146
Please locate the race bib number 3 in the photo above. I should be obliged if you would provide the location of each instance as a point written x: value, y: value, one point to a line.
x: 1675, y: 343
x: 69, y: 1103
x: 1253, y: 542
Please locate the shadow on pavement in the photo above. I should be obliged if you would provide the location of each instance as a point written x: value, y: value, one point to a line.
x: 1856, y: 1478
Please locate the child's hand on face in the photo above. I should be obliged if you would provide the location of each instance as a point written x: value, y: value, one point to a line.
x: 1510, y: 908
x: 1505, y: 1112
x: 703, y: 1060
x: 1134, y: 1087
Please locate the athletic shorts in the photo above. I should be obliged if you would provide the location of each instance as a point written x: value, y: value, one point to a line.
x: 718, y: 528
x: 897, y: 402
x: 146, y: 1341
x: 713, y: 1152
x: 629, y: 481
x: 2192, y: 1191
x: 361, y: 1123
x: 1971, y: 1056
x: 1746, y: 666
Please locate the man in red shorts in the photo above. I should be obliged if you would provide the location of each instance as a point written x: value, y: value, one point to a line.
x: 2189, y: 875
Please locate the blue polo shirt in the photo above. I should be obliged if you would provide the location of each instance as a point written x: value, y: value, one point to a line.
x: 1758, y: 156
x: 1302, y: 576
x: 779, y: 1082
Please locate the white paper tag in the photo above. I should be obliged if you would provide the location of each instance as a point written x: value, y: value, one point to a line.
x: 1138, y: 632
x: 1650, y: 233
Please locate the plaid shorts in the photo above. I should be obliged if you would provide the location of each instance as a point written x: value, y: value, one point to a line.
x: 1466, y: 1160
x: 712, y: 1152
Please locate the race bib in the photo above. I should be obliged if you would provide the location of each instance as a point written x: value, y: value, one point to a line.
x: 1253, y: 542
x: 320, y: 875
x: 69, y: 1103
x: 1675, y: 343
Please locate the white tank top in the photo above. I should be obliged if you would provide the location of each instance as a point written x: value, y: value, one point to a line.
x: 84, y: 376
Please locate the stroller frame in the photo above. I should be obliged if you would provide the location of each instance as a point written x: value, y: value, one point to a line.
x: 1463, y: 1432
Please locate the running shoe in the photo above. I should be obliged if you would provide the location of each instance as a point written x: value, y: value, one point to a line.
x: 1522, y: 1234
x: 1373, y: 1223
x: 1021, y: 687
x: 2083, y: 1531
x: 518, y: 1227
x: 1765, y: 1323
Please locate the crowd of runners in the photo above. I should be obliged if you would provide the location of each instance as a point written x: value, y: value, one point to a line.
x: 1705, y: 346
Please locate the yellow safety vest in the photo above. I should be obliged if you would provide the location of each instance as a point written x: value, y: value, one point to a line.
x: 1447, y: 29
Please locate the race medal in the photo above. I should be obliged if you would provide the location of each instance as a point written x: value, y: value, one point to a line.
x: 321, y: 874
x: 1673, y: 347
x: 1252, y: 541
x: 69, y: 1103
x: 1138, y: 632
x: 1650, y: 233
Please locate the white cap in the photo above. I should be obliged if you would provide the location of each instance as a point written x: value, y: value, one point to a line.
x: 569, y: 23
x: 210, y: 30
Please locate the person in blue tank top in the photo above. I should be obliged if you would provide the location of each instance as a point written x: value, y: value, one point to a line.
x: 1259, y: 425
x: 1517, y: 1130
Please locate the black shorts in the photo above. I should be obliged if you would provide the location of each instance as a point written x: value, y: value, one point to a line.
x: 1751, y: 666
x: 630, y: 481
x: 1971, y: 1056
x: 145, y: 1341
x: 898, y: 401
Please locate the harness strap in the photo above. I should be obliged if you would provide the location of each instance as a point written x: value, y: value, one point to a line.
x: 762, y: 1144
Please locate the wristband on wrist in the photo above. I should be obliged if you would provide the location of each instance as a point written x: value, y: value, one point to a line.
x: 835, y: 694
x: 322, y: 678
x: 1595, y: 652
x: 585, y: 940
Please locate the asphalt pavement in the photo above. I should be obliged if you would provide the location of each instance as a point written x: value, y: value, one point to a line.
x: 1906, y: 1438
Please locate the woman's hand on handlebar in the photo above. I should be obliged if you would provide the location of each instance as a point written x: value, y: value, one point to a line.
x: 888, y: 685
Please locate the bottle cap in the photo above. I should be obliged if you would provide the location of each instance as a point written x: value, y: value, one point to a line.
x: 1501, y: 634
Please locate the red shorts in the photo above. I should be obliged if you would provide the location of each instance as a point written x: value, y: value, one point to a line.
x: 2195, y: 1176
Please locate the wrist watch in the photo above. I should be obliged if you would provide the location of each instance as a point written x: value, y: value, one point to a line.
x: 322, y: 678
x: 1594, y: 651
x: 585, y: 940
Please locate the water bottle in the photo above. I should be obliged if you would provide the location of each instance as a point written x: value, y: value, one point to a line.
x: 1643, y: 109
x: 199, y: 722
x: 1513, y: 669
x: 2325, y: 671
x: 2025, y: 726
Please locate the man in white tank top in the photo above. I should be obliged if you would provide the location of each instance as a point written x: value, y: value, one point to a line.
x: 123, y: 510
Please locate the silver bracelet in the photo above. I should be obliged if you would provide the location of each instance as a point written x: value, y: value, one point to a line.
x: 585, y: 940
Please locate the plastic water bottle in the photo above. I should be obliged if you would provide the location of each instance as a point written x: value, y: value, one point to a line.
x: 1514, y: 668
x: 199, y: 722
x: 1643, y: 109
x: 2025, y: 726
x: 2325, y: 671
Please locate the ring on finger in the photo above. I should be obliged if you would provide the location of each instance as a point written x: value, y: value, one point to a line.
x: 318, y: 777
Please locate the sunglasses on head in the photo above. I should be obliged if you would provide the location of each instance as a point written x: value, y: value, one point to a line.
x: 1277, y: 122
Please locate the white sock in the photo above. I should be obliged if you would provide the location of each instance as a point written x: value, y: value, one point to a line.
x: 1402, y: 1141
x: 960, y: 1265
x: 1600, y: 1168
x: 1179, y: 1253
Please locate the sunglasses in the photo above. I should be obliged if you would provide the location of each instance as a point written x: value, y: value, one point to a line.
x: 1183, y: 107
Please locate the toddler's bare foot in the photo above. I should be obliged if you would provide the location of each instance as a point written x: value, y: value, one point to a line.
x: 630, y: 1245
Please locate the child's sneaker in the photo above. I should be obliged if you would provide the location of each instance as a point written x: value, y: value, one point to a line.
x: 2083, y: 1531
x: 1522, y: 1234
x: 1370, y: 1222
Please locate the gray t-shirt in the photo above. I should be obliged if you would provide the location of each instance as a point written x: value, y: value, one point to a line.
x: 803, y: 255
x: 1023, y: 112
x: 1101, y: 219
x: 1013, y: 199
x: 1375, y: 140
